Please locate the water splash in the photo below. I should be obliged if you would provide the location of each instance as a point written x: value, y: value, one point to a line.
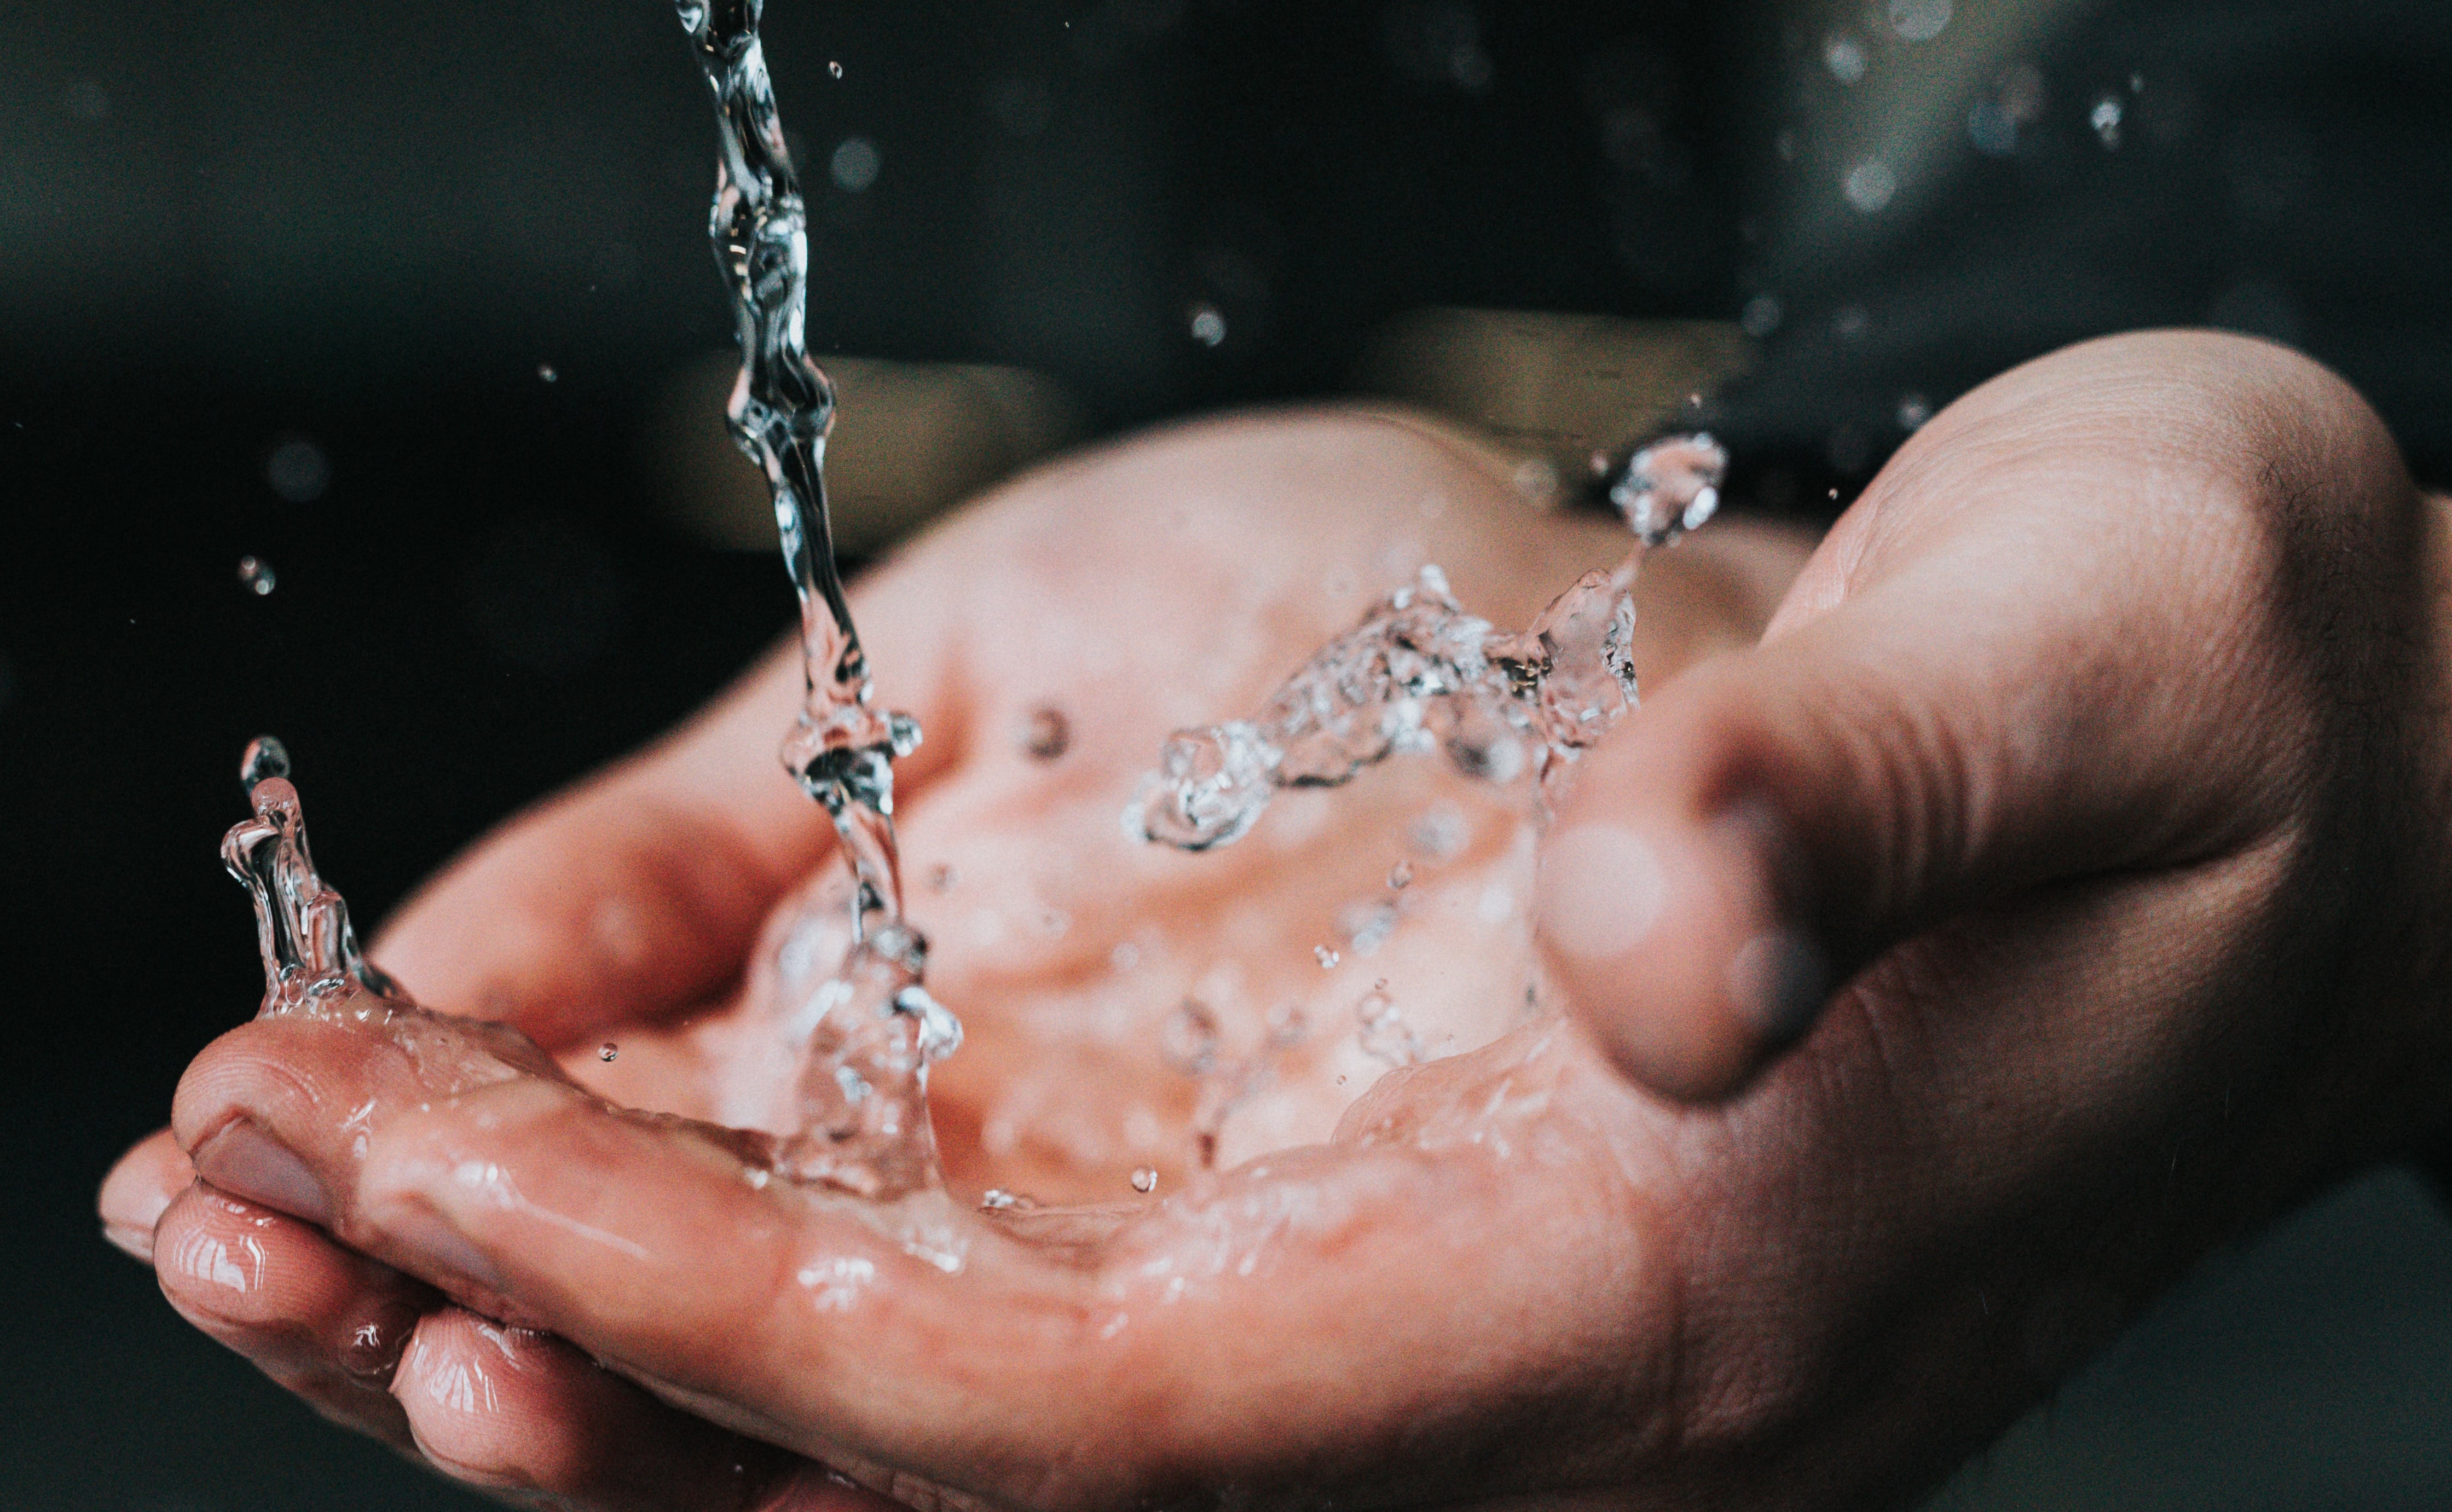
x: 313, y: 965
x: 1419, y: 674
x: 302, y: 925
x: 862, y: 1101
x: 862, y: 1107
x: 1193, y: 1045
x: 1383, y: 1032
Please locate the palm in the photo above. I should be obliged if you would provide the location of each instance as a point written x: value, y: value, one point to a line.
x: 1070, y: 950
x: 1169, y: 583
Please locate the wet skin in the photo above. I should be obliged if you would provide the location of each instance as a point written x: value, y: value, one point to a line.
x: 2096, y: 753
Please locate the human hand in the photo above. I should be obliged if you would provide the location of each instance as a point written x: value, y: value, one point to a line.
x: 623, y: 910
x: 2102, y: 730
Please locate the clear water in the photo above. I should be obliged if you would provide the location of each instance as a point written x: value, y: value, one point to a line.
x: 861, y: 1119
x: 1419, y: 674
x: 301, y: 926
x: 313, y: 965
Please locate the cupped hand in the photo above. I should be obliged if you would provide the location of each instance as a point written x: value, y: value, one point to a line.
x: 2096, y: 756
x: 1092, y: 607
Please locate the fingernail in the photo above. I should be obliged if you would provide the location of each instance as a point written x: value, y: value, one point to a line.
x: 137, y: 1242
x: 245, y: 1162
x: 1601, y: 890
x: 423, y: 1244
x: 1778, y: 981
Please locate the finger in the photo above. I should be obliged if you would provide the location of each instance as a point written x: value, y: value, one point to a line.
x: 639, y: 890
x: 326, y: 1324
x: 920, y: 1342
x: 332, y: 1326
x: 139, y: 1188
x: 2029, y: 653
x: 520, y: 1411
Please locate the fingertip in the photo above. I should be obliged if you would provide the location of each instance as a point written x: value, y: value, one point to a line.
x: 139, y: 1188
x: 136, y: 1243
x: 1673, y: 945
x: 480, y: 1400
x: 520, y: 1411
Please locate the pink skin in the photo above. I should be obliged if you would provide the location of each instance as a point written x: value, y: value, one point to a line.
x: 2047, y: 758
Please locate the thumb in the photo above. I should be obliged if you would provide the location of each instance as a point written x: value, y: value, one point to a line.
x: 1774, y: 819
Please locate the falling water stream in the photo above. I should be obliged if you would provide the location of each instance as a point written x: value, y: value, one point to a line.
x: 863, y: 1116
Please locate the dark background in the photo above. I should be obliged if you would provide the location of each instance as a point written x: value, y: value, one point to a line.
x: 229, y: 230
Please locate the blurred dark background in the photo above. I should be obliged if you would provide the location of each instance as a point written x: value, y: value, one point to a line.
x: 401, y: 299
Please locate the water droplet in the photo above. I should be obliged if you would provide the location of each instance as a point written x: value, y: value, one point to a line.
x: 1919, y: 20
x: 1850, y: 322
x: 607, y: 1050
x: 1208, y: 324
x: 1146, y: 1179
x: 1046, y: 734
x: 1869, y: 186
x: 1666, y: 489
x: 1367, y: 923
x: 1844, y: 57
x: 996, y: 1199
x: 1288, y: 1024
x: 1761, y: 315
x: 298, y: 471
x: 265, y: 757
x: 1190, y: 1040
x: 1914, y: 409
x: 257, y: 574
x: 1384, y: 1034
x: 855, y: 165
x: 1437, y: 833
x: 544, y: 370
x: 835, y: 69
x: 1401, y: 876
x: 1326, y: 957
x: 2106, y: 118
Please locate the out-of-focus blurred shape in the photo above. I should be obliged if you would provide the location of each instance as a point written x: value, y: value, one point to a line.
x: 911, y: 441
x: 1557, y: 387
